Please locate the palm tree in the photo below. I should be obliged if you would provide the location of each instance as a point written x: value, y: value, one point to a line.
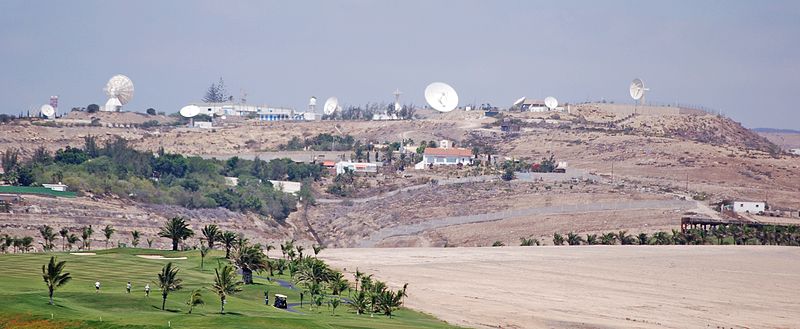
x: 360, y: 302
x: 107, y: 232
x: 64, y: 233
x: 195, y: 298
x: 591, y: 239
x: 720, y: 232
x: 334, y: 302
x: 267, y: 248
x: 135, y: 236
x: 337, y: 283
x: 558, y: 239
x: 678, y: 237
x: 527, y: 242
x: 49, y: 236
x: 176, y: 229
x: 249, y: 258
x: 53, y: 276
x: 317, y: 249
x: 300, y: 251
x: 228, y: 239
x: 26, y: 243
x: 212, y: 234
x: 86, y: 235
x: 574, y: 239
x: 608, y: 238
x: 203, y: 252
x: 72, y: 239
x: 624, y: 238
x: 661, y: 238
x: 225, y: 284
x: 643, y: 239
x: 389, y: 300
x: 168, y: 281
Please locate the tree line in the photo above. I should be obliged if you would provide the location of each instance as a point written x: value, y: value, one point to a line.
x: 316, y: 279
x: 735, y: 234
x: 116, y: 168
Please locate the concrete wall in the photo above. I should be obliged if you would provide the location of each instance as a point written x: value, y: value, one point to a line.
x: 626, y: 109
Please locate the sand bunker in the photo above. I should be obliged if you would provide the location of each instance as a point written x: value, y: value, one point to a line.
x: 82, y: 253
x: 159, y: 257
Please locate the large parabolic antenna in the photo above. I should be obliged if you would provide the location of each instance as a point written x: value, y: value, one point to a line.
x: 190, y: 111
x: 519, y: 101
x: 47, y: 110
x: 551, y: 102
x: 441, y: 97
x: 331, y: 105
x: 637, y: 89
x: 120, y: 91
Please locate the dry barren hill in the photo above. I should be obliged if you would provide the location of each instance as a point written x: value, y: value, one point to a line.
x: 639, y: 157
x: 592, y: 286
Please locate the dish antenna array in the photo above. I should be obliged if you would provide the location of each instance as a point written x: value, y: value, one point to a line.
x: 48, y: 111
x: 441, y: 97
x: 551, y: 103
x: 519, y: 101
x: 190, y: 111
x: 120, y: 91
x: 331, y: 106
x: 637, y: 90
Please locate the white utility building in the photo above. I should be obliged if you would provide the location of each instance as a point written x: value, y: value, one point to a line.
x: 749, y: 207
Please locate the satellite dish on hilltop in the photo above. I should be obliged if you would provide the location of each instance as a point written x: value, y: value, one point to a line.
x: 331, y: 105
x: 519, y: 101
x: 47, y: 110
x: 120, y: 91
x: 637, y: 89
x: 190, y: 111
x: 551, y: 102
x: 441, y: 97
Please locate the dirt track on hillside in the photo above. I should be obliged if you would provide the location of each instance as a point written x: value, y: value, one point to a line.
x: 592, y: 286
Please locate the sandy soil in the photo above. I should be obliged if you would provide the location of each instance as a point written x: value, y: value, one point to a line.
x: 592, y: 286
x: 83, y: 253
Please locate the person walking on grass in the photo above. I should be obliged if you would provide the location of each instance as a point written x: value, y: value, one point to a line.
x: 128, y: 288
x: 96, y: 287
x: 147, y: 290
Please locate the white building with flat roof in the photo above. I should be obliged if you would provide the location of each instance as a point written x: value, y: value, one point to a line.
x: 749, y: 207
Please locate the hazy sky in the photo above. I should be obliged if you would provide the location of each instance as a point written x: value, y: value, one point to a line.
x: 742, y: 58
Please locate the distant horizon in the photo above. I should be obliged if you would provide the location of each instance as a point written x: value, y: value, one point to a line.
x: 736, y: 57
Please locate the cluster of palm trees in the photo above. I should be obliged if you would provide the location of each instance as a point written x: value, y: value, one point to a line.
x: 374, y: 296
x: 68, y: 239
x: 738, y: 234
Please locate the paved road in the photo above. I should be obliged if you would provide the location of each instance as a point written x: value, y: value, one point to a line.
x: 410, y: 229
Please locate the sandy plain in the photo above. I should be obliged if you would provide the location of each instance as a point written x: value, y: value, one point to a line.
x: 592, y: 286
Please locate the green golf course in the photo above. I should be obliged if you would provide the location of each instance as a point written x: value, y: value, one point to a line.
x: 24, y: 296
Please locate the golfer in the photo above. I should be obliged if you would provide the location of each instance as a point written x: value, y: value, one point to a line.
x: 128, y: 288
x: 147, y: 290
x: 97, y: 286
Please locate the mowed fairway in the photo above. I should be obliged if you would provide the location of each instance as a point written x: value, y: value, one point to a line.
x: 23, y: 297
x: 593, y: 286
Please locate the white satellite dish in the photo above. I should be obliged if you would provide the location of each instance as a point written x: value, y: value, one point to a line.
x: 551, y: 102
x: 637, y: 89
x: 190, y: 111
x: 119, y: 90
x: 441, y: 97
x: 47, y: 110
x: 519, y: 101
x: 331, y: 106
x: 312, y: 101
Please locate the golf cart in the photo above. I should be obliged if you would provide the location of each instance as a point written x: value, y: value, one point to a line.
x: 280, y: 301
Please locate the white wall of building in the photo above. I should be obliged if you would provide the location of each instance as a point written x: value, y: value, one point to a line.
x: 749, y: 207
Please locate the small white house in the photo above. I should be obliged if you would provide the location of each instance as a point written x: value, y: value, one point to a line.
x: 56, y: 187
x: 749, y: 207
x: 439, y: 156
x: 231, y: 181
x: 795, y: 151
